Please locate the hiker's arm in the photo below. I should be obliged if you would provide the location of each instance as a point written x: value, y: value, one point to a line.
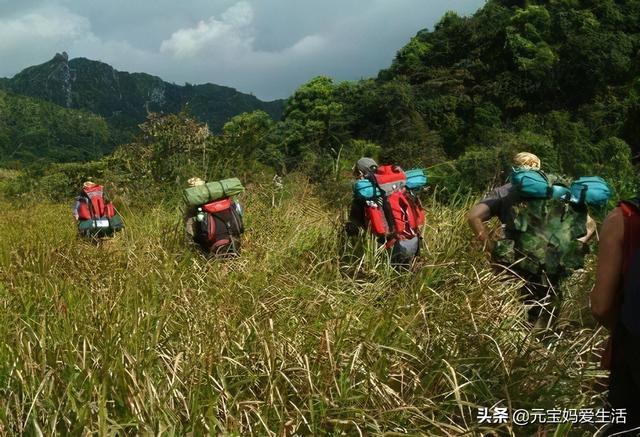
x: 75, y: 208
x: 591, y: 230
x: 479, y: 214
x: 356, y: 213
x: 605, y: 295
x: 189, y: 231
x: 356, y: 218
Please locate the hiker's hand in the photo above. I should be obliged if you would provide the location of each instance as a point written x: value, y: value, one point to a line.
x: 489, y: 245
x: 484, y: 243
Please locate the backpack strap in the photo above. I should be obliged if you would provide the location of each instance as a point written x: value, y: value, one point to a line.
x: 83, y: 198
x: 415, y: 205
x: 408, y: 206
x: 386, y: 207
x: 95, y: 195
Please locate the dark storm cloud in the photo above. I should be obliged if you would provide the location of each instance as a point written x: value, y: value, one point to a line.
x: 268, y: 47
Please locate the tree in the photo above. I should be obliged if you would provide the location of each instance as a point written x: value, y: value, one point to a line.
x: 527, y: 39
x: 314, y: 128
x: 169, y: 148
x: 244, y: 140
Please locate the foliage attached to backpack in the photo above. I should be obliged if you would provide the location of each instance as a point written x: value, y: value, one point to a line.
x: 548, y: 222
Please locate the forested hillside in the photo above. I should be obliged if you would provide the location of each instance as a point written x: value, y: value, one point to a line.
x: 556, y: 78
x: 125, y: 99
x: 33, y: 131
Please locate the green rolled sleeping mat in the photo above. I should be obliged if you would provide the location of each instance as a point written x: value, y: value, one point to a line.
x: 102, y: 227
x: 202, y: 194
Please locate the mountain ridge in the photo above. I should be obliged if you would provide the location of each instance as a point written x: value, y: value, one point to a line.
x: 124, y: 99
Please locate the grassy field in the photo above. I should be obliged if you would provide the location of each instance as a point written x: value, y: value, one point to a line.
x: 142, y: 335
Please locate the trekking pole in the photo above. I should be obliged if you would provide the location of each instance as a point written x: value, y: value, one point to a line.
x: 439, y: 164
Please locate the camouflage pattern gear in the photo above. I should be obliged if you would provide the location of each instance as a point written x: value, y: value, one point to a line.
x: 504, y: 252
x: 545, y: 238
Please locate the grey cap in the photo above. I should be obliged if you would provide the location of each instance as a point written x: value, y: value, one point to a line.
x: 365, y: 165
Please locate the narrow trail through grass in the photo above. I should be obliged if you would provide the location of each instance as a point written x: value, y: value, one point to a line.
x: 142, y: 335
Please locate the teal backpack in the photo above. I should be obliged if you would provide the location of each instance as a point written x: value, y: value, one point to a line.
x: 416, y: 179
x: 531, y: 184
x: 560, y: 191
x: 592, y: 190
x: 365, y: 189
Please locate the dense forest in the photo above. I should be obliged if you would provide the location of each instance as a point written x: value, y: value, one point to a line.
x: 557, y: 78
x: 33, y: 131
x: 125, y: 99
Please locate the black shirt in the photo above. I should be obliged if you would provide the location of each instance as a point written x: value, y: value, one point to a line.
x: 356, y: 212
x: 500, y: 202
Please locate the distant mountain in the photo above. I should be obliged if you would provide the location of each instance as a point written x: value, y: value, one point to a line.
x: 124, y: 99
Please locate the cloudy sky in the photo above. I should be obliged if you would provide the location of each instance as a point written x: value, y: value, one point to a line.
x: 267, y: 47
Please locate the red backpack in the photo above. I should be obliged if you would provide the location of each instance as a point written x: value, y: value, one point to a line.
x: 631, y: 267
x: 92, y: 205
x: 218, y: 227
x: 397, y: 214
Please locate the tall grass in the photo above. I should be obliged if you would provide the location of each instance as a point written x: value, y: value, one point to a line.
x: 143, y: 335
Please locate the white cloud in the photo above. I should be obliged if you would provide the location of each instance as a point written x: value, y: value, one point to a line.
x: 224, y: 48
x: 36, y: 35
x: 240, y: 14
x: 268, y: 47
x: 230, y: 34
x: 41, y: 26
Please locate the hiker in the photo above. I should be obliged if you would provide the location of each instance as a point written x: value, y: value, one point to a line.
x: 540, y: 262
x: 94, y: 213
x: 364, y: 168
x: 190, y: 212
x: 615, y: 303
x: 384, y: 204
x: 212, y: 218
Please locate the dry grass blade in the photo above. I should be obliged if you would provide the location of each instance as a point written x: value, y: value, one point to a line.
x: 306, y: 333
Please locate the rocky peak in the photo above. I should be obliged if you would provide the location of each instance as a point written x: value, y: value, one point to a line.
x: 61, y: 57
x: 126, y: 98
x: 50, y: 81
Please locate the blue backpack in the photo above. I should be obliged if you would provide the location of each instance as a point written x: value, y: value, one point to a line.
x: 416, y: 179
x: 592, y: 190
x: 560, y: 192
x: 531, y: 184
x: 365, y: 189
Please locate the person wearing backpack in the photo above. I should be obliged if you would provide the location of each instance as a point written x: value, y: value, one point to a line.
x: 94, y: 213
x: 615, y: 303
x: 363, y: 169
x: 384, y: 204
x: 189, y: 212
x: 542, y: 236
x: 212, y: 217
